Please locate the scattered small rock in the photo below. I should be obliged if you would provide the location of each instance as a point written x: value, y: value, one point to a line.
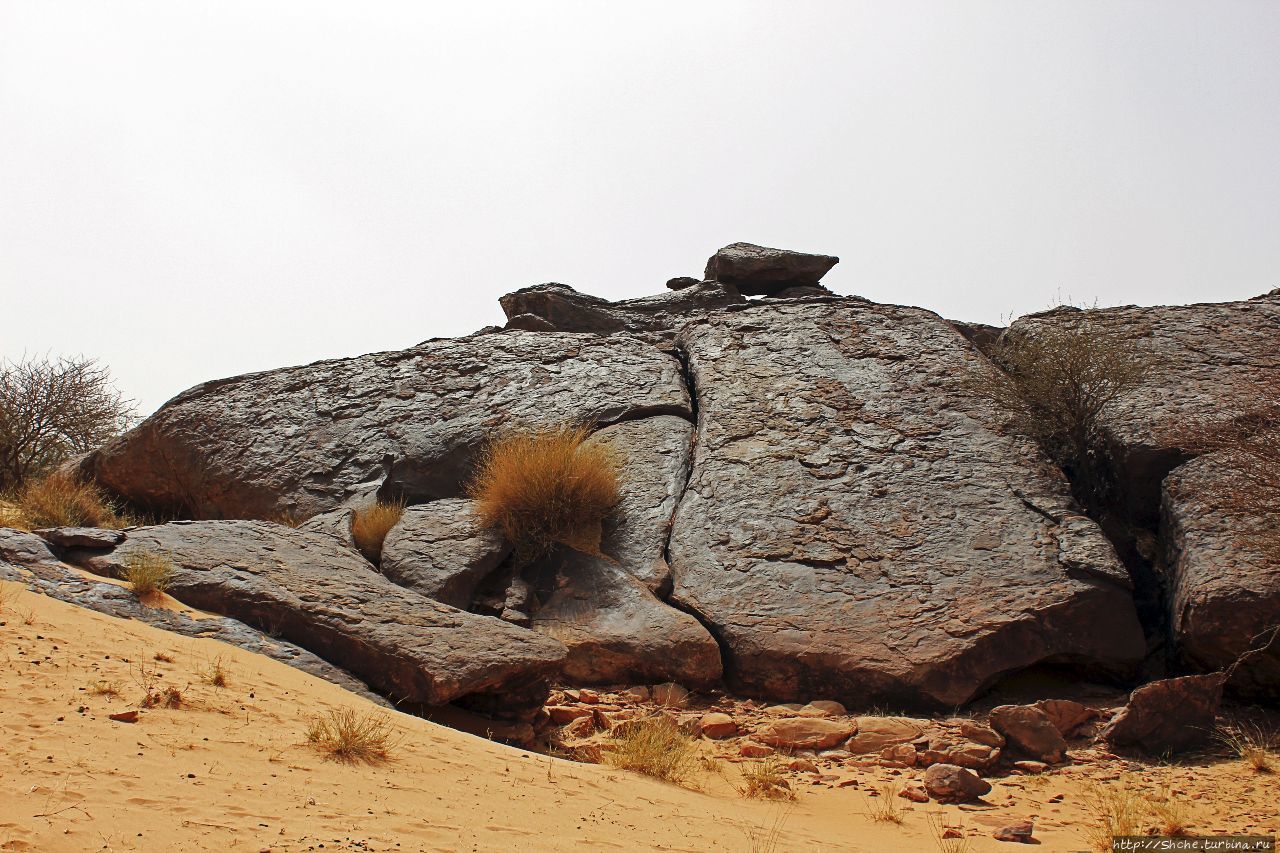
x: 124, y: 717
x: 751, y: 749
x: 718, y: 726
x: 1019, y: 832
x: 951, y: 783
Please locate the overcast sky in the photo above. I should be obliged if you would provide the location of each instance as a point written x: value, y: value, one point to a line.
x: 193, y: 190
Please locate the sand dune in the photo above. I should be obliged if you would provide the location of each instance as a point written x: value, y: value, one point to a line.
x: 231, y: 770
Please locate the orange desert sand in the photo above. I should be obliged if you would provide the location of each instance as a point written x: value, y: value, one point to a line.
x: 231, y: 770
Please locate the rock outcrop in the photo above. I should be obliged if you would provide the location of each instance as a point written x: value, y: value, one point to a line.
x: 303, y: 440
x: 1224, y: 591
x: 441, y: 551
x: 1167, y: 716
x: 857, y: 525
x: 558, y: 307
x: 310, y: 590
x: 761, y: 271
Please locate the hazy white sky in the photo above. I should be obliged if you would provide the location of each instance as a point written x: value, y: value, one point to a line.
x: 191, y: 190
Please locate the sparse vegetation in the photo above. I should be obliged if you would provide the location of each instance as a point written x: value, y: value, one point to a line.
x: 1057, y: 379
x: 371, y: 524
x: 1169, y: 814
x: 768, y: 838
x: 60, y: 500
x: 1253, y: 745
x: 105, y: 688
x: 549, y: 486
x: 51, y: 409
x: 148, y: 574
x: 352, y: 736
x: 656, y: 747
x: 1119, y: 808
x: 215, y: 674
x: 163, y: 658
x: 955, y: 842
x: 884, y: 808
x: 766, y: 780
x: 163, y: 697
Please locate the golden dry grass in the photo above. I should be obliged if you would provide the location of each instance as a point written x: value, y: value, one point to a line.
x: 958, y: 843
x: 766, y: 780
x: 147, y: 574
x: 352, y: 737
x: 1119, y: 808
x: 656, y: 747
x: 60, y: 500
x: 215, y: 674
x: 371, y: 524
x: 885, y: 808
x: 1253, y: 745
x: 546, y: 486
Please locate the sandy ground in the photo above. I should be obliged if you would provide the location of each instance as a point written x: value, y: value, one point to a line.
x: 231, y: 770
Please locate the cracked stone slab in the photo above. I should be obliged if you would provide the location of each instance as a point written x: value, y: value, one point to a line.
x: 858, y: 526
x: 303, y: 440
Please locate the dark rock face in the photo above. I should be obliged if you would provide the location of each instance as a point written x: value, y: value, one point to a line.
x: 1210, y: 362
x: 305, y: 439
x: 760, y: 271
x: 856, y: 525
x: 441, y: 551
x: 1224, y: 594
x: 681, y: 282
x: 558, y: 307
x: 1168, y: 716
x: 315, y: 593
x: 27, y: 560
x: 81, y: 537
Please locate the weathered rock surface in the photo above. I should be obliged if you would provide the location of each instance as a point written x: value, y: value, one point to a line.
x: 81, y: 537
x: 335, y: 523
x: 25, y: 559
x: 1224, y: 594
x: 1067, y: 716
x: 441, y: 551
x: 806, y: 732
x: 877, y: 733
x: 558, y: 307
x: 310, y: 590
x: 760, y: 271
x: 858, y: 526
x: 1029, y: 732
x: 1210, y: 362
x: 1168, y: 716
x: 949, y: 783
x: 302, y: 440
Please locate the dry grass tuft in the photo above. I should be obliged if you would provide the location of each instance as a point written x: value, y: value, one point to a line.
x: 163, y: 658
x: 148, y: 574
x: 163, y: 697
x: 370, y: 526
x: 105, y: 688
x: 766, y: 780
x: 1169, y: 814
x: 656, y: 747
x: 1119, y: 809
x: 768, y: 838
x: 60, y: 500
x: 215, y: 674
x: 884, y: 808
x: 352, y: 736
x: 938, y: 826
x: 547, y: 486
x: 1253, y: 745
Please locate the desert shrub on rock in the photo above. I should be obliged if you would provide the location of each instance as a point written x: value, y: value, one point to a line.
x: 61, y: 500
x: 654, y: 746
x: 1056, y: 380
x: 148, y: 574
x: 371, y: 524
x: 549, y: 486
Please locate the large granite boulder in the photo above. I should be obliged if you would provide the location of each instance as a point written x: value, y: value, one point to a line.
x: 1209, y: 362
x: 25, y: 559
x: 558, y: 307
x: 309, y: 589
x: 761, y: 271
x: 441, y: 551
x: 1223, y: 589
x: 302, y: 440
x: 858, y: 526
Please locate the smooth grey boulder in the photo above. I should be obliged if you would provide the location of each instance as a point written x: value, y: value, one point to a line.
x: 25, y: 559
x: 304, y: 440
x: 761, y: 271
x: 654, y: 318
x: 441, y: 551
x: 858, y: 526
x: 307, y: 588
x: 1223, y: 590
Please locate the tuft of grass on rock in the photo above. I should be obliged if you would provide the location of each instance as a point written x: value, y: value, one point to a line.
x: 549, y: 486
x: 656, y: 747
x: 371, y: 524
x: 352, y: 737
x: 60, y: 500
x: 148, y: 574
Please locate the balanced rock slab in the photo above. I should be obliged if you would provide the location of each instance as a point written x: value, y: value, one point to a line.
x: 558, y: 307
x: 857, y: 525
x: 303, y: 440
x: 761, y: 271
x: 312, y: 591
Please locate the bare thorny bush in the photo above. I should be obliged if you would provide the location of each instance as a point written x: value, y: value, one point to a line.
x: 52, y: 409
x: 1057, y: 379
